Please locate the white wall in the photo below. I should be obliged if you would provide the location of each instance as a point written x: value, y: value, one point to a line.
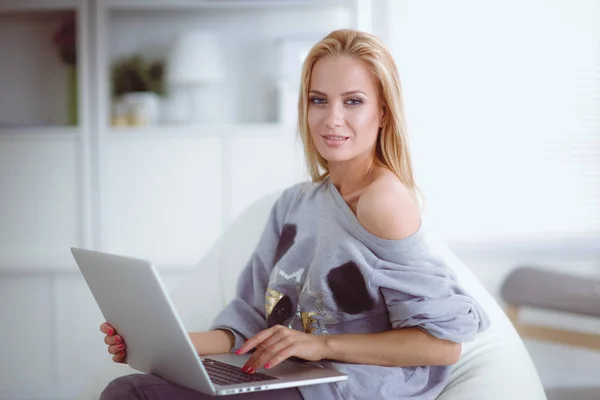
x: 502, y: 101
x: 502, y: 107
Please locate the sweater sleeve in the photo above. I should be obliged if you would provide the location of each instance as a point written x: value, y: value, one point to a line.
x: 420, y: 290
x: 244, y: 316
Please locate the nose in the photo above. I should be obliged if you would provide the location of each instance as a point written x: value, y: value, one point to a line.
x: 335, y: 117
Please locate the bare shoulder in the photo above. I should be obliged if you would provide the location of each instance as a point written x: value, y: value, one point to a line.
x: 386, y: 209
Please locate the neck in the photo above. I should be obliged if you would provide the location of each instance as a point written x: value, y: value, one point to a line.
x: 349, y: 176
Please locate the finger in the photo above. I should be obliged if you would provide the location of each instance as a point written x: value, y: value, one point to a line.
x: 282, y: 355
x: 120, y: 357
x: 107, y: 329
x: 262, y: 349
x: 116, y: 348
x: 270, y: 354
x: 115, y: 339
x: 255, y: 340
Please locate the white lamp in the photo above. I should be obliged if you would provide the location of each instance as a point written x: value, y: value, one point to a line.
x: 291, y: 52
x: 193, y: 65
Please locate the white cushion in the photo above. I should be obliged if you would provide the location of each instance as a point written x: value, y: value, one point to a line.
x: 495, y: 366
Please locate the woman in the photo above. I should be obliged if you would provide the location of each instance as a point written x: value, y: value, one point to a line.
x: 343, y: 271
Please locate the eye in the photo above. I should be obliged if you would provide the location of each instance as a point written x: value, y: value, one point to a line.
x: 353, y: 102
x: 317, y: 100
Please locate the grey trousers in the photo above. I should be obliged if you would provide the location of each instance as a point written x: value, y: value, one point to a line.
x: 150, y: 387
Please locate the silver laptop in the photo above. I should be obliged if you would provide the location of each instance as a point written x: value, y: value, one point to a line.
x: 134, y: 301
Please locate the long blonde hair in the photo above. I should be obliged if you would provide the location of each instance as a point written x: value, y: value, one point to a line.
x: 392, y: 149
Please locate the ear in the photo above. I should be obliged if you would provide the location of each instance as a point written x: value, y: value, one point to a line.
x: 381, y: 115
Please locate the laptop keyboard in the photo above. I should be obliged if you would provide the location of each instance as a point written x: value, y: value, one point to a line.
x: 228, y: 374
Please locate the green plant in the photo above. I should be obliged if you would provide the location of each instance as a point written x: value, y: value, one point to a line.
x: 134, y: 74
x: 65, y: 38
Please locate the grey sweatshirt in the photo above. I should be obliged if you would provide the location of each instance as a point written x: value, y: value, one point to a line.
x: 316, y: 269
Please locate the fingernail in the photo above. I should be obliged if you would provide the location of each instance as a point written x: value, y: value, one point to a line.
x: 111, y: 331
x: 250, y: 370
x: 118, y: 339
x: 238, y: 351
x: 120, y: 346
x: 267, y: 365
x: 122, y: 352
x: 244, y: 368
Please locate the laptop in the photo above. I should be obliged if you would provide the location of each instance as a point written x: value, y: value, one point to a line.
x: 133, y: 299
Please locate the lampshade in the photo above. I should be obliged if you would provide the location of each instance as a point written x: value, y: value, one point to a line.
x: 194, y: 59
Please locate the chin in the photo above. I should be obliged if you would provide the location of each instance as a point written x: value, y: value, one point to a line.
x: 335, y: 156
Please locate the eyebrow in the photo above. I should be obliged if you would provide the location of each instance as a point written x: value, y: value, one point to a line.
x: 343, y: 94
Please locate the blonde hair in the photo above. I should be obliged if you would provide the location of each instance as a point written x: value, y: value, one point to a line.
x: 392, y: 148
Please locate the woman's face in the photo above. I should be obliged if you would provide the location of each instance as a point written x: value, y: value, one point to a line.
x: 344, y: 112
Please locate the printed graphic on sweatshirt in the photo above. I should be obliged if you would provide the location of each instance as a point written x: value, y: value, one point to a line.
x: 283, y: 310
x: 349, y: 289
x: 286, y: 240
x: 273, y: 297
x: 316, y: 297
x: 309, y: 323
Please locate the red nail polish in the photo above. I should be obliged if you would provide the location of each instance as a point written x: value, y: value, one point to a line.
x: 120, y: 346
x: 238, y: 351
x: 122, y: 352
x: 111, y: 331
x: 118, y: 339
x: 268, y: 365
x: 244, y: 368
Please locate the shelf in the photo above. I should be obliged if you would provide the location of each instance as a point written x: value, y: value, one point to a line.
x: 47, y: 264
x: 40, y: 133
x: 37, y: 85
x: 37, y: 5
x: 217, y: 4
x: 199, y: 131
x: 253, y: 43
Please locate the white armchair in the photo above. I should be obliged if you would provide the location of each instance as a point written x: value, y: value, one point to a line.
x: 495, y: 366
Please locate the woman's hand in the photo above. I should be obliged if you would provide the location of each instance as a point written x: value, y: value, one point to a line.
x: 115, y: 343
x: 279, y: 343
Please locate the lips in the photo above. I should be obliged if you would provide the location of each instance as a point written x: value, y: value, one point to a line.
x: 335, y: 137
x: 334, y: 141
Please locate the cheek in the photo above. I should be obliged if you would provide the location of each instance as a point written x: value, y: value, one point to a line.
x: 366, y: 123
x: 313, y: 121
x: 310, y: 116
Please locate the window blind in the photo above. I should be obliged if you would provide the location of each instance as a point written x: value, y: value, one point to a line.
x: 503, y: 111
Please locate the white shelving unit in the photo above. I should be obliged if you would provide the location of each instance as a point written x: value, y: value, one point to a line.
x: 33, y: 77
x: 34, y: 126
x: 162, y: 192
x: 247, y: 31
x: 41, y: 133
x: 106, y: 31
x: 37, y: 5
x: 217, y: 4
x: 172, y: 132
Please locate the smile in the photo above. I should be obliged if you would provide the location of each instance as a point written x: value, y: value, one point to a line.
x: 334, y: 137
